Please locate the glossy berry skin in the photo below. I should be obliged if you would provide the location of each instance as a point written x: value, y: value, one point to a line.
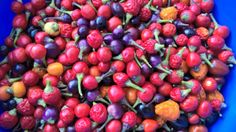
x: 129, y: 119
x: 222, y: 31
x: 147, y: 95
x: 50, y: 128
x: 8, y: 120
x: 165, y: 89
x: 181, y: 40
x: 98, y: 113
x: 25, y: 108
x: 193, y: 60
x: 95, y: 39
x: 27, y: 122
x: 189, y: 104
x: 175, y: 77
x: 115, y: 93
x: 146, y: 35
x: 114, y: 126
x: 209, y: 84
x: 53, y: 97
x: 187, y: 16
x: 34, y: 94
x: 207, y: 5
x: 82, y: 110
x: 72, y: 102
x: 83, y: 125
x: 177, y: 95
x: 156, y: 79
x: 90, y: 82
x: 215, y: 42
x: 104, y: 54
x: 169, y: 30
x: 128, y: 54
x: 204, y: 109
x: 132, y: 69
x: 67, y: 115
x: 175, y: 61
x: 193, y: 119
x: 88, y: 12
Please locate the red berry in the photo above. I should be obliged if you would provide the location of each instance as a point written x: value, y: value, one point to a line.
x: 204, y: 109
x: 27, y: 122
x: 114, y: 126
x: 104, y: 54
x: 82, y: 110
x: 88, y: 12
x: 67, y: 115
x: 83, y: 125
x: 95, y: 39
x: 169, y: 30
x: 98, y: 113
x: 189, y: 104
x: 193, y: 60
x: 90, y: 82
x: 216, y: 42
x: 209, y: 84
x: 165, y: 89
x: 181, y: 40
x: 129, y: 118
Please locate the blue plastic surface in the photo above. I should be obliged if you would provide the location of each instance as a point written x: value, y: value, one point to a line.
x: 224, y: 12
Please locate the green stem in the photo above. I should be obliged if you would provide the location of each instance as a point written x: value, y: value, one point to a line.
x: 41, y: 103
x: 137, y: 102
x: 109, y: 118
x: 162, y: 75
x: 18, y: 32
x: 12, y: 112
x: 153, y: 9
x: 180, y: 53
x: 67, y: 94
x: 185, y: 92
x: 48, y: 88
x: 165, y: 21
x: 137, y: 45
x: 204, y: 57
x: 124, y: 101
x: 226, y: 48
x: 158, y: 47
x: 166, y: 60
x: 214, y: 20
x: 79, y: 80
x: 187, y: 84
x: 168, y: 3
x: 52, y: 4
x: 77, y: 5
x: 102, y: 100
x: 41, y: 24
x: 109, y: 73
x: 137, y: 61
x: 156, y: 35
x: 119, y: 57
x: 4, y: 61
x: 148, y: 4
x: 159, y: 67
x: 132, y: 85
x: 91, y: 4
x: 12, y: 32
x: 128, y: 18
x: 143, y: 58
x: 231, y: 60
x: 11, y: 80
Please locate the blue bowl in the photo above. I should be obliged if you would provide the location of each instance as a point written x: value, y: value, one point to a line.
x: 224, y: 12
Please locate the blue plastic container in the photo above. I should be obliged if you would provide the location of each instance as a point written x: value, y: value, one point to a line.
x: 224, y: 12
